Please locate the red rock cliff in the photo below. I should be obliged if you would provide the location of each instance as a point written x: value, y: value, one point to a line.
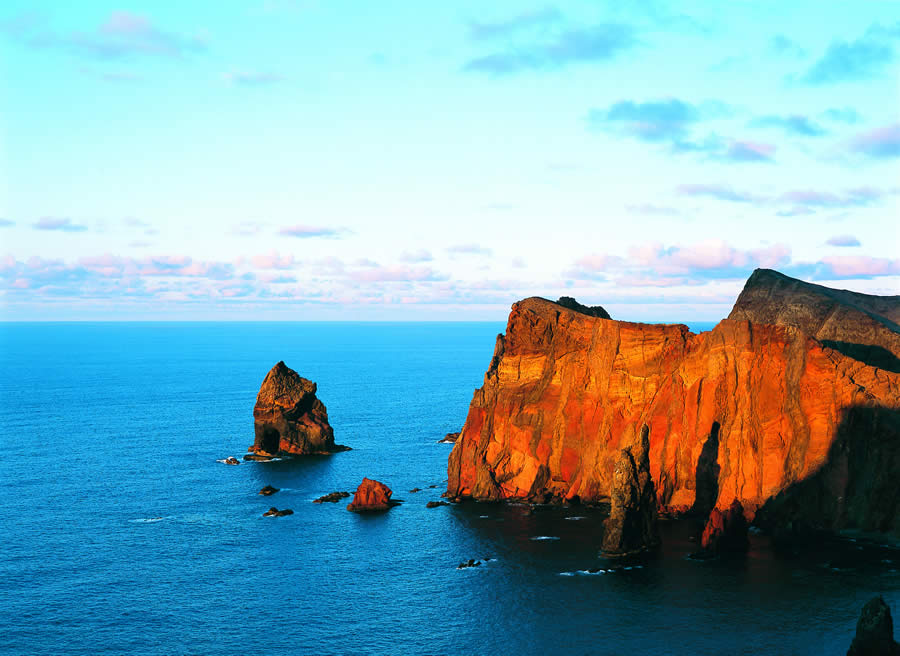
x: 751, y: 412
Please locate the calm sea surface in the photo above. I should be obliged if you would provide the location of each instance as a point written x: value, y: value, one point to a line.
x: 107, y: 427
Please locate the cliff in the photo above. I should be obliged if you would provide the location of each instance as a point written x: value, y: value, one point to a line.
x: 760, y: 413
x: 288, y: 417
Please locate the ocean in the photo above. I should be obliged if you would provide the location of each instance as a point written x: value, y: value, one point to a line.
x: 122, y: 534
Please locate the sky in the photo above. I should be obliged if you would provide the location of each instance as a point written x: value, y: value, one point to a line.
x: 337, y: 160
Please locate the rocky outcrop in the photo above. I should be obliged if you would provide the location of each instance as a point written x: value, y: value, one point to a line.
x: 436, y: 504
x: 726, y: 531
x: 571, y: 304
x: 268, y: 491
x: 449, y: 438
x: 274, y: 512
x: 874, y: 631
x: 763, y: 414
x: 332, y: 497
x: 861, y: 326
x: 632, y: 524
x: 371, y: 495
x: 289, y: 418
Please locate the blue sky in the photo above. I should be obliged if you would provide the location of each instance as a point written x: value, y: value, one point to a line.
x: 304, y: 160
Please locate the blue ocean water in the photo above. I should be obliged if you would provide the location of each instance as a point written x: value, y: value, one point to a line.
x: 107, y: 427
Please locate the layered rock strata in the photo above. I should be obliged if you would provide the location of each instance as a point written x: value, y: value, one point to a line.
x: 759, y: 413
x: 288, y: 417
x: 632, y: 523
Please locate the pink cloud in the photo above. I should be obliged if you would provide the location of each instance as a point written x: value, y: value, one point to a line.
x: 860, y: 265
x: 273, y: 260
x: 883, y: 142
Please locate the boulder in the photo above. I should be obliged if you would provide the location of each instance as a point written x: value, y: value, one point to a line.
x: 289, y: 418
x: 274, y: 512
x: 632, y: 523
x: 874, y: 631
x: 371, y: 495
x: 332, y: 497
x: 268, y: 490
x: 231, y: 460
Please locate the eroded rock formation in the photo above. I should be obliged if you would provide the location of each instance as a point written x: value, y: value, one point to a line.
x: 874, y: 631
x: 725, y: 531
x: 760, y: 413
x: 371, y: 495
x: 288, y: 417
x: 632, y: 524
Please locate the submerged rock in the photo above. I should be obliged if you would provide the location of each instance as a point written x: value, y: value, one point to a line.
x: 268, y: 490
x: 274, y: 512
x: 725, y: 531
x: 632, y: 523
x: 332, y: 497
x: 289, y: 418
x: 469, y: 563
x: 874, y: 631
x: 371, y: 495
x: 436, y: 504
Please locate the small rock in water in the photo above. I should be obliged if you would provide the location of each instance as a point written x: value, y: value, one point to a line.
x: 449, y: 438
x: 435, y: 504
x: 414, y: 490
x: 469, y: 563
x: 332, y: 497
x: 231, y: 460
x: 268, y: 490
x: 274, y: 512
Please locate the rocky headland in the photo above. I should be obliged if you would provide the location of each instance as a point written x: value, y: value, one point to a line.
x: 874, y: 631
x: 289, y: 419
x: 791, y: 407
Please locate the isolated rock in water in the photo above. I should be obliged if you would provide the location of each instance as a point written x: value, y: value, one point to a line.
x: 333, y: 497
x: 632, y: 523
x: 764, y: 414
x: 449, y: 438
x: 274, y: 512
x: 371, y: 495
x: 725, y: 531
x: 571, y: 304
x: 289, y: 419
x: 231, y: 460
x: 874, y: 631
x: 469, y: 563
x: 436, y: 504
x: 268, y: 490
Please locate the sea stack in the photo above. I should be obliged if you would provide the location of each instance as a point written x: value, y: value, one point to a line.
x: 371, y: 495
x: 632, y: 524
x: 725, y: 531
x: 874, y: 631
x: 288, y: 417
x: 798, y: 420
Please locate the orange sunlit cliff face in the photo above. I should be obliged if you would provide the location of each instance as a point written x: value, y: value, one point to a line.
x: 756, y: 412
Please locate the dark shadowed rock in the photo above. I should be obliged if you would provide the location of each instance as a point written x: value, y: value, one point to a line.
x: 274, y: 512
x: 469, y: 563
x: 436, y: 504
x: 371, y: 495
x: 861, y: 326
x: 725, y: 531
x: 268, y: 490
x: 874, y: 631
x: 449, y: 438
x: 570, y: 303
x: 632, y: 523
x: 289, y: 418
x: 332, y: 497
